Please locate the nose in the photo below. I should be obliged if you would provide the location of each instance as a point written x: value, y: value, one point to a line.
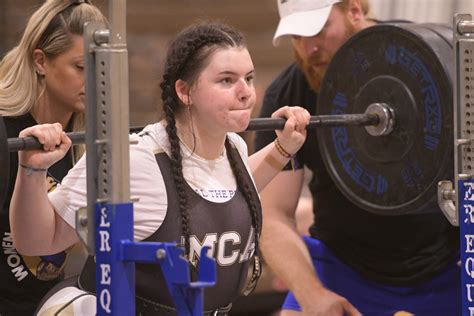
x: 310, y: 45
x: 245, y: 90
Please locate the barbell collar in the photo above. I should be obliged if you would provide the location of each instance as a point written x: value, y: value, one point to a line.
x: 386, y: 117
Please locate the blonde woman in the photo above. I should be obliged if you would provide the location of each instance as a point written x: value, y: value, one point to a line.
x: 41, y: 81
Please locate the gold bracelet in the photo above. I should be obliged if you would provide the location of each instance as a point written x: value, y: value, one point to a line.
x: 282, y: 150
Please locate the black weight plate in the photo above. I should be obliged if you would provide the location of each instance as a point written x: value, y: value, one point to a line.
x: 408, y: 67
x: 4, y: 161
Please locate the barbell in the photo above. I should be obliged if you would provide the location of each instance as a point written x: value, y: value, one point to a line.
x: 393, y: 80
x: 378, y: 120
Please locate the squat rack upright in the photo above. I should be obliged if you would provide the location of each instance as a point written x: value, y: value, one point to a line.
x: 106, y: 226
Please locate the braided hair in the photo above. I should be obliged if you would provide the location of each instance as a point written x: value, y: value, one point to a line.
x: 187, y: 56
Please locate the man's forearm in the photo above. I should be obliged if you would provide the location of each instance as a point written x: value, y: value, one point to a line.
x: 286, y: 253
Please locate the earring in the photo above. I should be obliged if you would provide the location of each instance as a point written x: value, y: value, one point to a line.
x: 39, y: 73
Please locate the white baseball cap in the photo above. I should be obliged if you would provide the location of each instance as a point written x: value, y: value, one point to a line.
x: 302, y: 17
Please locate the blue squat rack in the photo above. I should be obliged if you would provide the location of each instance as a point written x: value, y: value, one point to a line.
x: 106, y: 226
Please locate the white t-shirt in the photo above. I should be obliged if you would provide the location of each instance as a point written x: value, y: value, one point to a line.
x: 212, y: 179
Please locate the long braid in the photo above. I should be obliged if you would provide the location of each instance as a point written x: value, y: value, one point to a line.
x: 244, y: 187
x: 187, y: 55
x: 176, y: 164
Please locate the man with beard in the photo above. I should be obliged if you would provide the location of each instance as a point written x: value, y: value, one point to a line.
x: 364, y: 263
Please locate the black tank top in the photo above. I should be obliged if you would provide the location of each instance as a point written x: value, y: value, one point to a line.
x: 24, y: 279
x: 225, y: 227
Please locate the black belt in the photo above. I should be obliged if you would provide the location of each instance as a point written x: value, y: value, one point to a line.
x: 147, y: 307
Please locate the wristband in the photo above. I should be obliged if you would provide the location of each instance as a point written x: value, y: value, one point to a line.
x: 30, y: 170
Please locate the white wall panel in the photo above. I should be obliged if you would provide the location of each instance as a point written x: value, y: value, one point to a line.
x: 437, y: 11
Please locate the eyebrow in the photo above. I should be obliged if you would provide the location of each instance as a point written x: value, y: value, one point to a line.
x: 228, y: 72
